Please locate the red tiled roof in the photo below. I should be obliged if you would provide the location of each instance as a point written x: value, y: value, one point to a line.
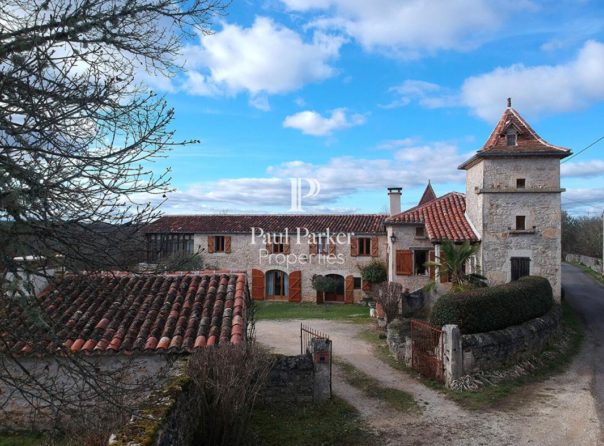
x: 225, y: 224
x: 444, y: 218
x: 528, y: 142
x: 129, y: 313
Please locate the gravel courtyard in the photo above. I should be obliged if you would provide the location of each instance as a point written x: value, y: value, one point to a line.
x: 559, y: 411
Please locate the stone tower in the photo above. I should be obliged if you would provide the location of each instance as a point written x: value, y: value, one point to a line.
x: 513, y: 201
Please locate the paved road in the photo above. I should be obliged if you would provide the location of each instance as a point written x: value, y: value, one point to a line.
x: 586, y: 296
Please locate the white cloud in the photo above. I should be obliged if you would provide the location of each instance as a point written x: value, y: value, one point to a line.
x: 409, y: 166
x: 539, y: 89
x: 583, y: 200
x: 535, y: 90
x: 266, y: 58
x: 584, y: 169
x: 410, y: 28
x: 312, y: 123
x: 427, y: 94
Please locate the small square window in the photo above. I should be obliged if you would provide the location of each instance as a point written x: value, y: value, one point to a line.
x: 357, y: 283
x: 420, y: 231
x: 511, y: 139
x: 520, y: 222
x: 520, y: 183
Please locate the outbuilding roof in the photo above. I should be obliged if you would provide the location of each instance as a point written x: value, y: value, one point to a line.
x: 443, y: 217
x: 127, y: 313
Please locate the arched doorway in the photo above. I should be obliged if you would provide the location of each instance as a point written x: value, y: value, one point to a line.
x: 338, y: 294
x: 277, y: 284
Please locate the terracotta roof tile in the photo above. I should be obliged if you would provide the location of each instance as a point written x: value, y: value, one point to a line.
x: 225, y: 224
x: 528, y: 142
x: 444, y: 218
x: 129, y: 313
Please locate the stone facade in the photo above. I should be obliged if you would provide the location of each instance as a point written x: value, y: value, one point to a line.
x: 494, y: 202
x: 406, y: 239
x: 246, y: 256
x: 290, y: 379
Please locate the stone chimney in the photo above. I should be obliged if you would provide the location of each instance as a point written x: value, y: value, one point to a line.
x: 395, y: 193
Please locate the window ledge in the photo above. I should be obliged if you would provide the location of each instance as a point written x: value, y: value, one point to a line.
x: 521, y: 231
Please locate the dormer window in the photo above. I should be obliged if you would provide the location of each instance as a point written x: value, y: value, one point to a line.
x: 511, y: 138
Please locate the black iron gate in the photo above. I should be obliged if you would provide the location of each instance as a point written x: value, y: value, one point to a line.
x: 427, y: 350
x: 307, y: 334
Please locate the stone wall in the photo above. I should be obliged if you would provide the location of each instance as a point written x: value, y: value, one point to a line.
x: 492, y: 350
x: 468, y: 354
x: 592, y: 262
x: 61, y: 375
x: 246, y: 256
x: 291, y: 379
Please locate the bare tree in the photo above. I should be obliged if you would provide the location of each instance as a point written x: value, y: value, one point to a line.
x: 76, y: 134
x: 389, y: 295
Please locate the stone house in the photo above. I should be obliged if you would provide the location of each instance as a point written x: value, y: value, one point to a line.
x: 511, y: 208
x: 280, y: 253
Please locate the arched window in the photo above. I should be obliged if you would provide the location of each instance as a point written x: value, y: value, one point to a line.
x: 277, y: 284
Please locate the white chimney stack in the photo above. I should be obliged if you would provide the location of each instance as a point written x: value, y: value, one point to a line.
x: 395, y: 193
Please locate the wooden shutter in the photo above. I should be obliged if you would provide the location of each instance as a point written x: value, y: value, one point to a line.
x: 374, y: 247
x: 295, y: 286
x: 269, y: 247
x: 404, y: 262
x: 366, y: 286
x: 312, y: 248
x: 332, y: 248
x: 210, y: 244
x: 286, y: 246
x: 257, y: 284
x: 432, y: 268
x: 354, y: 247
x: 349, y: 290
x: 227, y: 244
x: 444, y: 277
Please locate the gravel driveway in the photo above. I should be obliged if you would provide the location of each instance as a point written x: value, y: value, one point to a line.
x: 559, y: 411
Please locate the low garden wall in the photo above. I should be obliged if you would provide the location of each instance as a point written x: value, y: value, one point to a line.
x: 495, y: 349
x: 291, y: 379
x: 591, y: 262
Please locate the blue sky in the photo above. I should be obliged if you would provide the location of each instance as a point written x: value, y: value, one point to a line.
x: 363, y: 95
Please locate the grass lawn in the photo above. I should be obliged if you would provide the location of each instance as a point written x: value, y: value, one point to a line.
x: 395, y: 398
x: 22, y: 439
x: 331, y: 423
x: 553, y: 360
x: 307, y: 310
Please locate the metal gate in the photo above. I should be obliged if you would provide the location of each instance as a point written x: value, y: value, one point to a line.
x: 427, y: 350
x: 307, y: 334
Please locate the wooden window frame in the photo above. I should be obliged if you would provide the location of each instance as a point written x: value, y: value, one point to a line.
x: 357, y: 283
x: 219, y: 243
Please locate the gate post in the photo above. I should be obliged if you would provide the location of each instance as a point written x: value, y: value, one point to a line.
x: 452, y: 354
x: 320, y: 349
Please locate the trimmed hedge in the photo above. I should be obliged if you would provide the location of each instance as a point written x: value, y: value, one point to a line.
x: 495, y: 308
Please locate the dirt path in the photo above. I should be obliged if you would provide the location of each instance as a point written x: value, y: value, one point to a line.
x: 560, y: 411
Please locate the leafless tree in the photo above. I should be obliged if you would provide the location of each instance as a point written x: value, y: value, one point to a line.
x: 77, y: 134
x: 389, y: 295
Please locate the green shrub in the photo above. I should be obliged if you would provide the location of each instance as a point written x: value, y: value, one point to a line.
x: 487, y: 309
x: 374, y: 272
